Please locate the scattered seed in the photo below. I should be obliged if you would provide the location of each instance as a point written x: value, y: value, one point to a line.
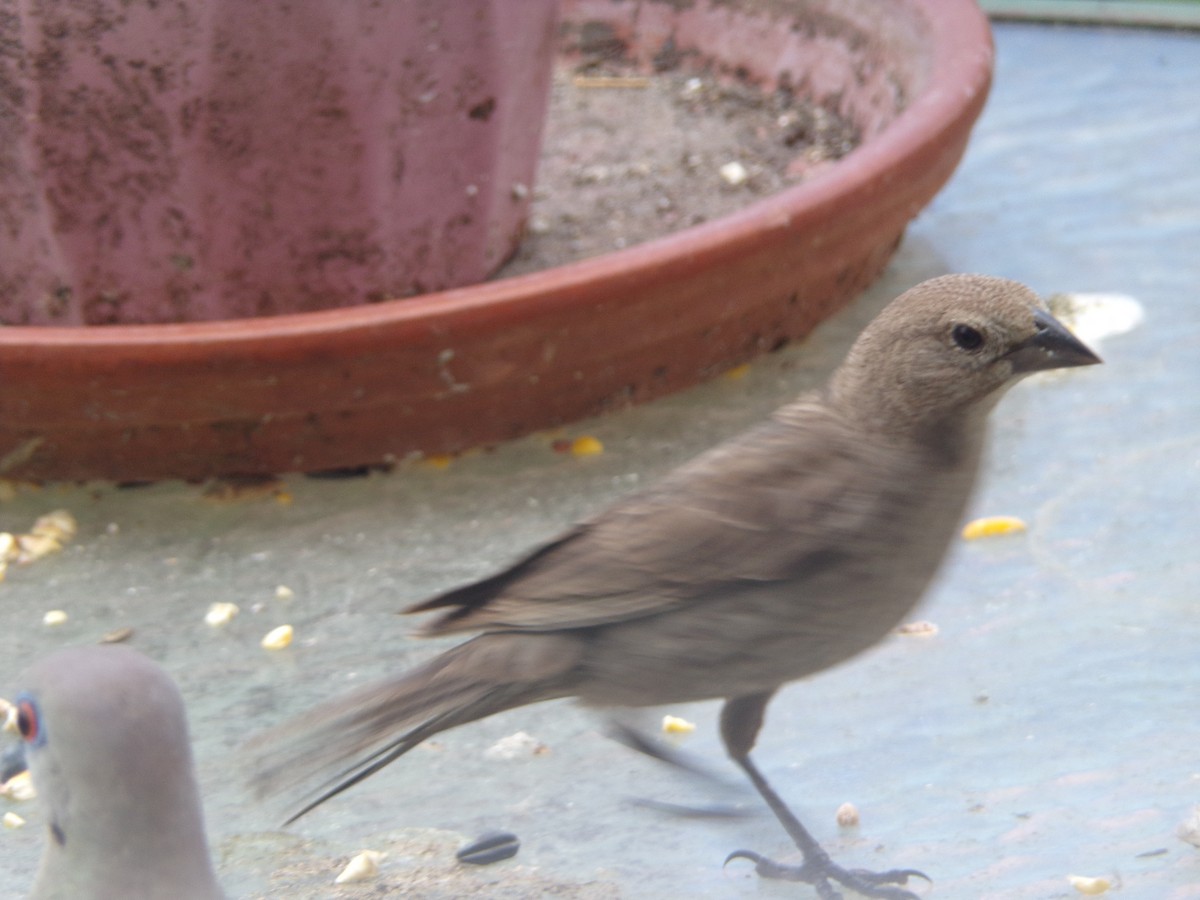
x: 116, y: 636
x: 12, y: 820
x: 734, y: 174
x: 362, y: 867
x: 60, y: 525
x: 847, y: 816
x: 221, y: 614
x: 55, y: 617
x: 32, y: 547
x: 277, y: 638
x: 1086, y: 885
x: 491, y: 848
x: 19, y: 787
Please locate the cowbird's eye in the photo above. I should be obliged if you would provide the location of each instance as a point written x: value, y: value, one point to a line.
x: 967, y: 337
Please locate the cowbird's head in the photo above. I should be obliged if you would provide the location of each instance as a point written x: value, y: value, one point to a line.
x: 946, y: 350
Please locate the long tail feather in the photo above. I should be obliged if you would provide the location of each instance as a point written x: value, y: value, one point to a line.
x: 359, y: 733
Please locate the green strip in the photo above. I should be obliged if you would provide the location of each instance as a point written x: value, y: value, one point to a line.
x: 1154, y: 13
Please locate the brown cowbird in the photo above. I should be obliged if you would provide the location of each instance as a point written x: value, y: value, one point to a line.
x: 777, y: 554
x: 106, y: 740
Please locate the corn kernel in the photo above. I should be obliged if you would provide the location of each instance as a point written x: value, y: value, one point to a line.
x: 586, y: 446
x: 676, y: 725
x: 990, y: 526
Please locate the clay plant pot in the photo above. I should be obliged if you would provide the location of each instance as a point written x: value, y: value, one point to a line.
x: 475, y: 365
x: 218, y: 159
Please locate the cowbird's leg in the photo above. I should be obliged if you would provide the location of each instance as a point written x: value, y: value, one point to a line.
x: 635, y: 739
x: 741, y: 719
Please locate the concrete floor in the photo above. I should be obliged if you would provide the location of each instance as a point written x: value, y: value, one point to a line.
x: 1049, y: 729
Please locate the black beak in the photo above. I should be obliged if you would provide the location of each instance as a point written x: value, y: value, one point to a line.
x: 1053, y: 347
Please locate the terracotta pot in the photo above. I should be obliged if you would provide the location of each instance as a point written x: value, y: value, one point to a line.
x: 215, y: 159
x: 471, y: 366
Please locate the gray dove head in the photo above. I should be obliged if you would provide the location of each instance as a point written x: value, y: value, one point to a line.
x: 107, y: 745
x: 948, y: 348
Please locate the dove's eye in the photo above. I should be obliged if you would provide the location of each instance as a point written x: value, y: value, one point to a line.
x: 27, y: 720
x: 967, y: 337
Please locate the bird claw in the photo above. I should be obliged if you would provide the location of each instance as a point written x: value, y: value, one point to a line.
x: 819, y: 873
x: 891, y: 876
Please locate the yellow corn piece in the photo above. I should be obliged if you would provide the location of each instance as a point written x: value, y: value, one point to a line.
x: 586, y: 446
x: 990, y: 526
x: 676, y: 725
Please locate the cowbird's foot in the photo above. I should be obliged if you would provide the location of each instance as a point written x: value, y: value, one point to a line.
x: 820, y: 871
x: 634, y: 739
x: 637, y: 740
x: 817, y: 868
x: 688, y: 811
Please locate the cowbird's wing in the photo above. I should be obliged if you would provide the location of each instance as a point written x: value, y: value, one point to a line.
x: 777, y: 504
